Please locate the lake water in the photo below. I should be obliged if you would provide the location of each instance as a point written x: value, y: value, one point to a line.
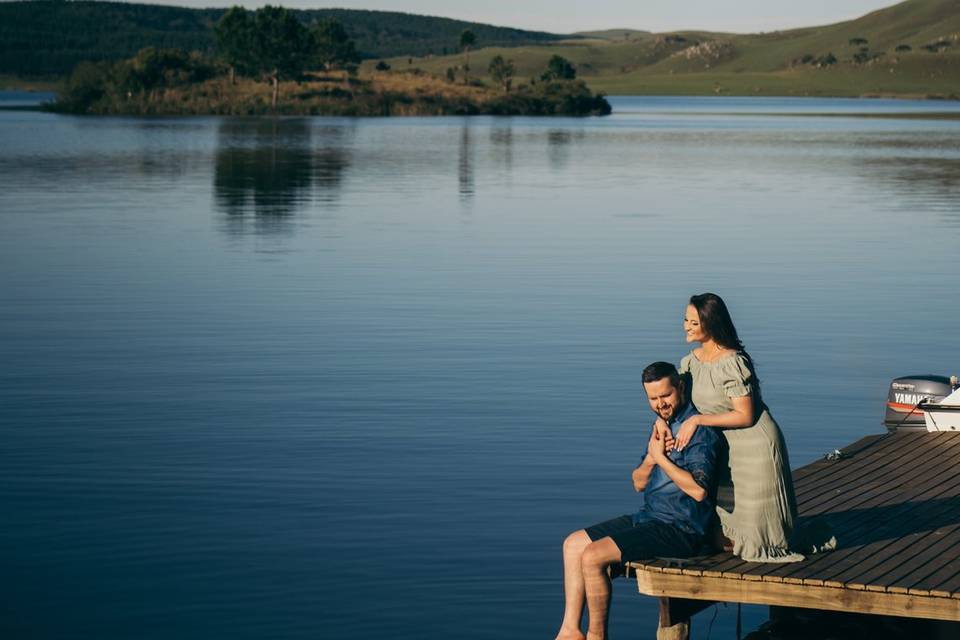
x: 317, y: 378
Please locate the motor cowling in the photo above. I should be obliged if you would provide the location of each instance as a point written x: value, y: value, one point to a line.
x: 906, y: 393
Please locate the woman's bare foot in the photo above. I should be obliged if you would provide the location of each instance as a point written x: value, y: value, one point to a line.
x: 570, y: 634
x: 721, y: 541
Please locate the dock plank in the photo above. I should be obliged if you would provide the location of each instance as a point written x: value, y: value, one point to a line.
x: 898, y: 472
x: 820, y: 474
x: 930, y: 564
x: 866, y: 452
x: 878, y: 512
x: 932, y: 583
x: 816, y: 491
x: 887, y: 527
x: 951, y: 586
x: 855, y: 449
x: 885, y: 566
x: 899, y: 560
x: 720, y: 569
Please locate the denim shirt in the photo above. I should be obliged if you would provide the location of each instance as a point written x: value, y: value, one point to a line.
x: 664, y: 501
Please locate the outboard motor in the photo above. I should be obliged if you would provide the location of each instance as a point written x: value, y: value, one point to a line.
x: 905, y: 396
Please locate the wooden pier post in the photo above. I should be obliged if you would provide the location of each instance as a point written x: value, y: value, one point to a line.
x: 675, y: 614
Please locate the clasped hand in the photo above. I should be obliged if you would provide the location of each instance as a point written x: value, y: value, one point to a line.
x: 684, y: 435
x: 687, y: 429
x: 662, y: 438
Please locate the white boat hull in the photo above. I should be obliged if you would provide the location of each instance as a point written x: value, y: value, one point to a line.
x: 943, y: 415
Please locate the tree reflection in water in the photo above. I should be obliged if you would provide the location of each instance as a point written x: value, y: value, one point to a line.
x: 501, y: 138
x: 465, y: 164
x: 270, y: 170
x: 558, y: 145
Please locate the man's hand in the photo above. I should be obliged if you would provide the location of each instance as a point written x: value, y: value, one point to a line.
x: 663, y: 429
x: 657, y: 452
x: 687, y: 429
x: 657, y: 446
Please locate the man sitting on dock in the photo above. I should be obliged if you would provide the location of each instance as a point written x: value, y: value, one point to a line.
x: 674, y: 519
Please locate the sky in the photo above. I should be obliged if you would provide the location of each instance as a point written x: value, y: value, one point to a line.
x: 567, y: 16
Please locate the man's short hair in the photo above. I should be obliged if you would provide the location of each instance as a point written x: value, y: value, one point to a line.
x: 661, y: 370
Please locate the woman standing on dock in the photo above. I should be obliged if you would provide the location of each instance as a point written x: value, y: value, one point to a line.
x: 726, y: 392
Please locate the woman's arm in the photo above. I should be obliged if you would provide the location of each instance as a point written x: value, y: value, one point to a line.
x: 741, y: 416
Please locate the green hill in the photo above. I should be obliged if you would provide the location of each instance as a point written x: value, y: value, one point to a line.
x: 44, y: 38
x: 852, y: 58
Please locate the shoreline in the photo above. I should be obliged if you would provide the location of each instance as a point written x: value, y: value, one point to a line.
x: 867, y: 97
x: 49, y: 107
x: 375, y: 95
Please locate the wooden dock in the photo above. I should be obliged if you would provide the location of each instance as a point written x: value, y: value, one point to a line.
x: 893, y: 503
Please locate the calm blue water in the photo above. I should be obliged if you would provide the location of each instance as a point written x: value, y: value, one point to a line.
x: 325, y: 377
x: 25, y: 98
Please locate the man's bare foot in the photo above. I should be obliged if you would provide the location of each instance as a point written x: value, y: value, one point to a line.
x: 570, y: 634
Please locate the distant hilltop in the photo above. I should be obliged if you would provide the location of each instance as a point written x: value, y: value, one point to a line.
x: 911, y: 49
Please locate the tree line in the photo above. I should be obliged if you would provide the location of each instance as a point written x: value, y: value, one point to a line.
x: 273, y: 43
x: 269, y: 44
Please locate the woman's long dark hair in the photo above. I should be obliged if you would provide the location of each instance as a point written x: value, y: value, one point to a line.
x: 717, y: 323
x: 715, y: 320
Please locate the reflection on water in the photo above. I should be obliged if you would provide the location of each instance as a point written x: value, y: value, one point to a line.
x: 501, y: 137
x: 403, y: 405
x: 465, y: 164
x: 267, y: 170
x: 919, y: 186
x: 558, y: 143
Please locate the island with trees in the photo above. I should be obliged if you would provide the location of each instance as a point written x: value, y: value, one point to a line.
x: 270, y: 61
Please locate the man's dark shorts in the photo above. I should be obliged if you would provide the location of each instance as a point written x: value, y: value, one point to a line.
x: 648, y: 540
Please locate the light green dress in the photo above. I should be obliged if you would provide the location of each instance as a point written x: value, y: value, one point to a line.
x: 761, y: 517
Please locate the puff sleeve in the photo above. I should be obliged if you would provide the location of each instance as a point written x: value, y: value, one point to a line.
x: 735, y: 376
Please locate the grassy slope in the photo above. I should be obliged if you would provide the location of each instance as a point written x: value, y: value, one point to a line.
x: 759, y: 64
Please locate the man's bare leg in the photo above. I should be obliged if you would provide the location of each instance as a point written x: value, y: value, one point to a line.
x: 594, y: 562
x: 573, y: 591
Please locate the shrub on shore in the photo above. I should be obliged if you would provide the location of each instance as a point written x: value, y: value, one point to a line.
x: 556, y: 98
x: 102, y: 87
